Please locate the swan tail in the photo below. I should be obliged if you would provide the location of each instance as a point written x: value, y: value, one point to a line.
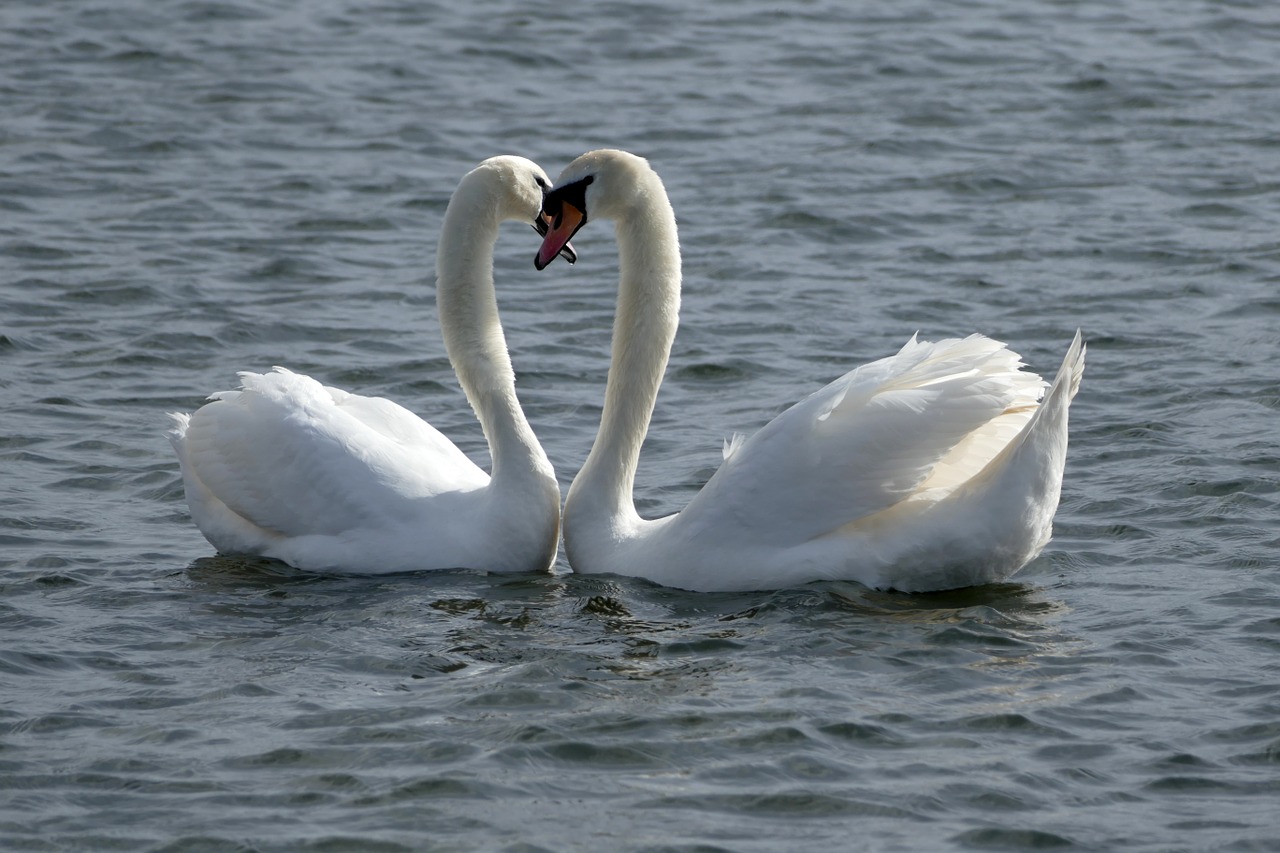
x: 1045, y: 433
x: 1064, y: 387
x: 226, y: 530
x: 1004, y: 514
x: 1074, y: 362
x: 1024, y: 482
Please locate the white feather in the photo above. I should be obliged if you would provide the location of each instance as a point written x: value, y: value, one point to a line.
x: 323, y: 479
x: 934, y: 468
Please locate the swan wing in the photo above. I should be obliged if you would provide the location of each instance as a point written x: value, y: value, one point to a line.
x: 915, y: 424
x: 292, y: 457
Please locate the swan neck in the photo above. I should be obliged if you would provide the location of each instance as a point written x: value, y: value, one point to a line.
x: 644, y: 328
x: 474, y: 338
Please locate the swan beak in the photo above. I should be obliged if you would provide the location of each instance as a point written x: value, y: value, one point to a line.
x: 559, y: 231
x: 542, y: 225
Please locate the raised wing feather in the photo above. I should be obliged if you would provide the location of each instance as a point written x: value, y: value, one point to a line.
x: 294, y: 457
x: 926, y: 418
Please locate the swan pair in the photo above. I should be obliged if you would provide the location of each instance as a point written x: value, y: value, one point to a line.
x: 935, y: 468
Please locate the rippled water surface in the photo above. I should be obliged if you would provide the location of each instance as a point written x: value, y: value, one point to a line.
x: 188, y: 189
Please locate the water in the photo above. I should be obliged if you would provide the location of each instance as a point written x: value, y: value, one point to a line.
x: 188, y: 189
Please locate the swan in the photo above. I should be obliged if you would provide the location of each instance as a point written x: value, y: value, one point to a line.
x: 936, y: 468
x: 330, y: 481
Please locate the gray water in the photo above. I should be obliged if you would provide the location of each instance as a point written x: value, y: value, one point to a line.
x: 188, y: 189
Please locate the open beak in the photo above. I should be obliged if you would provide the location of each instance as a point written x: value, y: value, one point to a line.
x: 543, y: 226
x: 560, y: 228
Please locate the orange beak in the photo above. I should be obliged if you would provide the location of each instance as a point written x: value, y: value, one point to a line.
x: 543, y: 225
x: 559, y: 232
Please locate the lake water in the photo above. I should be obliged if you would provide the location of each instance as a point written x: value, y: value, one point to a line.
x: 188, y: 189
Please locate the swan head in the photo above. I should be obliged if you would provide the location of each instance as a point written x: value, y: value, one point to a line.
x: 603, y: 184
x: 514, y: 188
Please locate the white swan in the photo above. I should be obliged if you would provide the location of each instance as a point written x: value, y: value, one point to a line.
x: 330, y: 481
x: 931, y: 469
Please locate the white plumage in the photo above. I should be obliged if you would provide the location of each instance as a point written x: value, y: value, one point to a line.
x: 935, y: 468
x: 326, y: 480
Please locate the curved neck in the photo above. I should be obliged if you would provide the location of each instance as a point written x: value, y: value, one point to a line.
x: 644, y: 327
x: 473, y: 334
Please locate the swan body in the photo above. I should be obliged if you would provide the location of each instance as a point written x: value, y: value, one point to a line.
x: 325, y: 480
x: 935, y: 468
